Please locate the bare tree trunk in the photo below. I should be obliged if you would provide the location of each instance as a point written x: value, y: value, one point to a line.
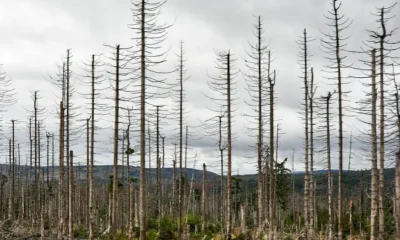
x: 173, y: 204
x: 115, y: 170
x: 131, y: 208
x: 70, y: 197
x: 306, y: 175
x: 91, y: 164
x: 203, y: 201
x: 61, y: 175
x: 158, y: 170
x: 362, y: 204
x: 340, y: 93
x: 67, y: 125
x: 261, y: 214
x: 87, y: 210
x: 162, y: 179
x: 137, y: 208
x: 42, y: 207
x: 374, y: 153
x: 142, y: 202
x: 36, y: 182
x: 180, y: 191
x: 330, y: 178
x: 351, y: 210
x: 131, y: 195
x: 243, y: 219
x: 222, y: 193
x: 272, y: 211
x: 381, y: 191
x: 397, y: 199
x: 312, y: 188
x: 229, y: 187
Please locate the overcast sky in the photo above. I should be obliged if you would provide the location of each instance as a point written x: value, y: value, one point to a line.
x: 36, y: 34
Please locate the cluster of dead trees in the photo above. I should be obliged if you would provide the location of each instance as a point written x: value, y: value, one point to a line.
x: 54, y: 197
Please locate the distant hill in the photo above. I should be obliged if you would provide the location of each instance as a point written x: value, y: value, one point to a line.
x: 351, y: 179
x: 102, y: 172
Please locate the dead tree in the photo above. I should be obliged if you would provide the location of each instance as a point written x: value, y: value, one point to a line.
x: 257, y: 81
x: 203, y: 201
x: 70, y: 197
x: 333, y: 44
x: 131, y: 196
x: 150, y: 35
x: 61, y: 175
x: 382, y: 40
x: 327, y: 127
x: 272, y: 180
x: 223, y: 86
x: 116, y: 122
x: 312, y: 203
x: 374, y: 151
x: 303, y: 59
x: 93, y: 80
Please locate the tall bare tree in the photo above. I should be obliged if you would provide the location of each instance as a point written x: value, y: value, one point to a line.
x: 257, y: 80
x: 334, y: 43
x: 150, y: 35
x: 304, y: 58
x: 374, y: 152
x: 327, y: 128
x: 224, y: 87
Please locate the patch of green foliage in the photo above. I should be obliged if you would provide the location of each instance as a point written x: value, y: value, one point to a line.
x: 80, y: 232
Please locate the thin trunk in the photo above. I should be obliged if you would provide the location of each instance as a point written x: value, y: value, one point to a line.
x: 272, y: 210
x: 131, y: 195
x: 61, y: 176
x: 330, y: 178
x: 222, y: 193
x: 203, y: 201
x: 362, y: 204
x: 36, y: 182
x: 70, y: 197
x: 67, y: 126
x: 397, y: 198
x: 339, y: 75
x: 91, y: 208
x: 42, y: 207
x: 312, y: 189
x: 306, y: 148
x: 374, y: 153
x: 115, y: 169
x: 229, y: 186
x: 173, y: 204
x: 158, y: 177
x: 381, y: 191
x: 260, y: 131
x: 142, y: 202
x: 180, y: 191
x: 351, y: 210
x: 10, y: 197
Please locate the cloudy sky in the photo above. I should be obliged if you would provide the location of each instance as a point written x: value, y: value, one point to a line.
x: 35, y: 35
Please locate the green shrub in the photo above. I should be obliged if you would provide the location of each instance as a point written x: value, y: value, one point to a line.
x: 80, y: 232
x: 152, y: 234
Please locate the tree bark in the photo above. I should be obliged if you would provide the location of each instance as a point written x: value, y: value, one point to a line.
x: 397, y: 199
x: 61, y: 175
x: 70, y: 197
x: 374, y: 153
x: 229, y: 187
x: 203, y: 201
x: 115, y: 169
